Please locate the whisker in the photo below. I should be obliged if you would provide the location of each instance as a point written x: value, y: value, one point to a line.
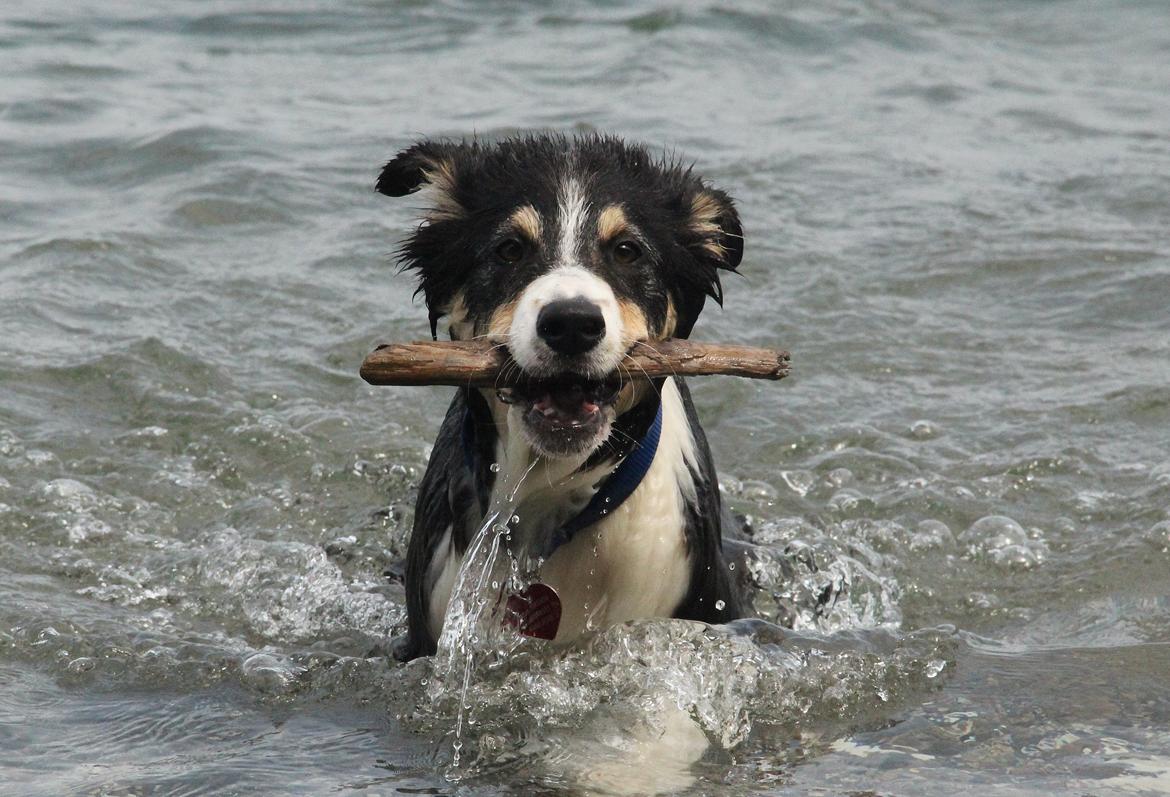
x: 626, y: 435
x: 646, y: 344
x: 651, y: 348
x: 505, y: 373
x: 628, y: 377
x: 643, y: 370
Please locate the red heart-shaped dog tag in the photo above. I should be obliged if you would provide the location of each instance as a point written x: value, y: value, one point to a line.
x: 534, y: 611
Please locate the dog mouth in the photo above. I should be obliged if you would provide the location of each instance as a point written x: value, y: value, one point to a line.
x: 564, y: 412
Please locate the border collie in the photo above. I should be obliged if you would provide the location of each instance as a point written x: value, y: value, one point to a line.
x: 569, y: 252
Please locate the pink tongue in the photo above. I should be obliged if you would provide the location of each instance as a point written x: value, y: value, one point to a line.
x: 553, y: 410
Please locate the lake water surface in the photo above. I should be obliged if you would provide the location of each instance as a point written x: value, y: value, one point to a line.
x: 956, y: 218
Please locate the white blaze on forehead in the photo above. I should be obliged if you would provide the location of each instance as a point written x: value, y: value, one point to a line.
x: 569, y: 279
x: 572, y: 212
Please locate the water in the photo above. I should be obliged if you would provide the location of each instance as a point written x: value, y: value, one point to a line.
x: 956, y: 218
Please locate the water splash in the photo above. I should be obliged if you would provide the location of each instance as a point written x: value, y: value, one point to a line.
x: 472, y: 625
x: 600, y: 706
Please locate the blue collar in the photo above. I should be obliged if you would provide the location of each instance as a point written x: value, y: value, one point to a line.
x: 612, y: 494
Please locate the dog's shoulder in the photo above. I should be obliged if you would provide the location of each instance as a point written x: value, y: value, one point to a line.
x: 713, y: 595
x: 446, y: 485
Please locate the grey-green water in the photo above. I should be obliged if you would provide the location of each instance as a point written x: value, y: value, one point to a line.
x: 956, y: 219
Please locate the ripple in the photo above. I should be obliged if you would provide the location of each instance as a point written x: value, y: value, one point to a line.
x: 126, y: 162
x: 932, y: 93
x: 48, y: 111
x: 955, y: 218
x: 78, y: 71
x: 1048, y: 121
x: 220, y: 212
x: 655, y: 21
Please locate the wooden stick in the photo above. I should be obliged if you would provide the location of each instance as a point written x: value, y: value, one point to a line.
x: 480, y: 364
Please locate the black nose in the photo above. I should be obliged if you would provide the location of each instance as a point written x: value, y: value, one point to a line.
x: 571, y: 326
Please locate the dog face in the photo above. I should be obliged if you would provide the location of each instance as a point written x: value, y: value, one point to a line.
x: 570, y: 252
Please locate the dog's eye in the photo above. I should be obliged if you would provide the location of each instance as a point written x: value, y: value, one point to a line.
x: 626, y: 252
x: 510, y: 251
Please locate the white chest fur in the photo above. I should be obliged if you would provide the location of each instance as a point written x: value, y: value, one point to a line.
x: 632, y: 563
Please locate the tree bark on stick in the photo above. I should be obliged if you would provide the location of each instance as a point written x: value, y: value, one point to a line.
x: 481, y: 364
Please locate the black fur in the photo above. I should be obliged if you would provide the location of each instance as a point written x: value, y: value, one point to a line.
x: 451, y: 495
x: 454, y: 254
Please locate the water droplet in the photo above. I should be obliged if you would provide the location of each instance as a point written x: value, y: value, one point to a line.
x: 607, y: 499
x: 494, y: 467
x: 731, y: 566
x: 719, y: 606
x: 515, y: 519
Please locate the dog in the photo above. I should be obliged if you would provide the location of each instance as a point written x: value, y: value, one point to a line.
x: 569, y: 251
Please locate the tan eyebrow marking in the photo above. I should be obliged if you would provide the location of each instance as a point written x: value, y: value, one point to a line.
x: 440, y: 177
x: 611, y: 222
x: 704, y: 221
x: 671, y: 323
x: 527, y: 220
x: 459, y: 324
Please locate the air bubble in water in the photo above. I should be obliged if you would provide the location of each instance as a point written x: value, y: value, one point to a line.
x: 799, y: 481
x: 494, y: 467
x: 1005, y: 542
x: 719, y: 606
x: 923, y: 430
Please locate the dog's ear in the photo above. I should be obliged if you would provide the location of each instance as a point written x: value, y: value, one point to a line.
x: 716, y: 239
x: 427, y: 163
x: 436, y: 166
x: 715, y: 225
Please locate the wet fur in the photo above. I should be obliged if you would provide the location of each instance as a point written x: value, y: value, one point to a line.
x: 532, y: 189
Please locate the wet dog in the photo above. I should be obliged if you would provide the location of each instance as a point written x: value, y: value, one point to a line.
x: 569, y: 252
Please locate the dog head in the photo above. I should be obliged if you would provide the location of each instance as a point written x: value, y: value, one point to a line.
x: 570, y: 252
